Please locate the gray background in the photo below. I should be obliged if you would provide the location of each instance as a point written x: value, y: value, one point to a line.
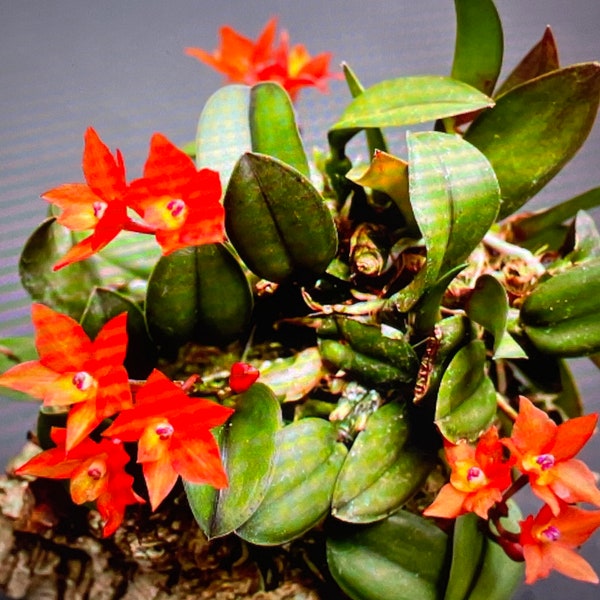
x: 119, y: 66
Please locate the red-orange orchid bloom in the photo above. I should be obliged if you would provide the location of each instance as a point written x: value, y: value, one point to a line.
x: 548, y: 542
x: 245, y: 61
x: 173, y: 435
x: 97, y: 474
x: 544, y: 451
x: 181, y: 205
x: 97, y: 204
x: 479, y: 476
x: 74, y: 371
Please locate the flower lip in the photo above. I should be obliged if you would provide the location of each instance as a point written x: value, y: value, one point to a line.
x: 177, y: 207
x: 82, y: 380
x: 550, y: 534
x: 546, y: 461
x: 475, y: 474
x: 164, y: 431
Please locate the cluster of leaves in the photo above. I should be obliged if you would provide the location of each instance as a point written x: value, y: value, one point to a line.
x: 393, y: 310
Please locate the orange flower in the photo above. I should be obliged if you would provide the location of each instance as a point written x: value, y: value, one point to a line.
x: 97, y: 473
x: 245, y: 61
x: 74, y: 371
x: 479, y: 476
x: 548, y: 542
x: 97, y: 204
x: 173, y: 435
x: 545, y: 451
x: 181, y: 205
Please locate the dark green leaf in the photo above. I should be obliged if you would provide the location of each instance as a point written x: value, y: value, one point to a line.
x: 198, y: 294
x: 479, y: 44
x: 306, y: 464
x: 535, y: 129
x: 466, y: 403
x: 278, y: 221
x: 66, y: 290
x: 247, y: 444
x: 400, y: 558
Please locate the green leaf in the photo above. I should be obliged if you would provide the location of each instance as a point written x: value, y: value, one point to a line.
x: 273, y: 128
x: 454, y: 196
x: 541, y: 59
x: 223, y: 133
x: 479, y: 44
x: 198, y: 294
x: 499, y: 576
x: 535, y: 129
x: 238, y: 119
x: 103, y: 305
x: 488, y: 306
x: 466, y: 404
x: 247, y: 444
x: 278, y: 221
x: 409, y: 100
x: 380, y: 473
x: 467, y: 548
x: 66, y: 290
x: 400, y: 558
x: 584, y: 239
x: 527, y: 228
x: 375, y: 137
x: 306, y: 464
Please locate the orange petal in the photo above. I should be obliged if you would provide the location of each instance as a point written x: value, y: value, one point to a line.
x: 160, y: 479
x: 110, y: 346
x: 167, y: 166
x: 448, y: 503
x: 61, y: 342
x: 30, y: 377
x: 198, y: 460
x: 104, y: 174
x: 537, y: 566
x: 77, y: 203
x: 571, y: 564
x: 572, y: 435
x: 534, y: 430
x: 82, y: 420
x: 576, y: 477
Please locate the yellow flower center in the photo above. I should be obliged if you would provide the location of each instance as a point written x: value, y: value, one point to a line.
x: 468, y: 477
x: 83, y: 381
x: 539, y: 465
x: 166, y: 213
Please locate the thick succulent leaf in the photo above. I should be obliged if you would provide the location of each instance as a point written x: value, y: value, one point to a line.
x: 466, y: 404
x: 499, y: 576
x: 454, y: 196
x: 247, y: 444
x: 406, y: 101
x: 400, y: 558
x: 66, y: 290
x: 535, y: 129
x: 103, y: 305
x: 374, y: 451
x: 197, y: 294
x: 467, y: 548
x: 488, y: 306
x: 293, y: 377
x: 306, y: 464
x: 542, y: 58
x: 223, y: 133
x: 479, y: 44
x: 273, y: 128
x: 277, y: 220
x: 387, y: 174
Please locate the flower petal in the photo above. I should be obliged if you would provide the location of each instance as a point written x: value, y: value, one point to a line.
x: 110, y: 346
x: 572, y: 435
x: 575, y: 477
x: 534, y: 431
x: 160, y: 479
x: 77, y: 203
x: 571, y: 564
x: 30, y: 377
x: 105, y: 174
x: 448, y: 504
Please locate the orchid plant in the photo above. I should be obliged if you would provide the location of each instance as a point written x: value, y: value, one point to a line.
x: 374, y: 351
